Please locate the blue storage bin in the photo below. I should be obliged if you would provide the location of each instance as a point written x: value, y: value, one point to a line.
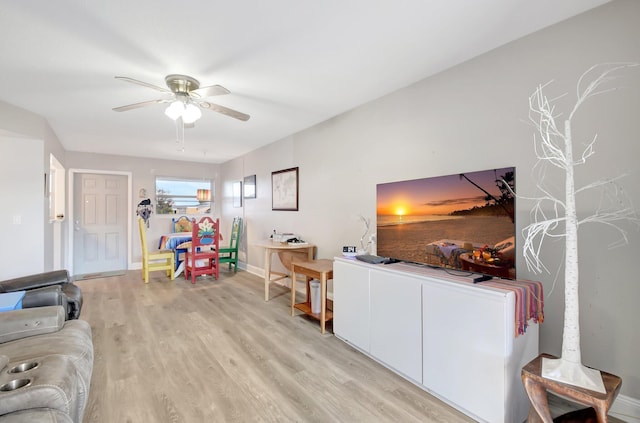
x: 11, y: 300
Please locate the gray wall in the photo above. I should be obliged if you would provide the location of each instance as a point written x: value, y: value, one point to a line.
x: 18, y: 125
x: 474, y: 117
x: 143, y: 175
x: 21, y: 219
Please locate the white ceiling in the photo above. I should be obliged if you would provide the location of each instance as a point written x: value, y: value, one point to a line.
x: 289, y: 64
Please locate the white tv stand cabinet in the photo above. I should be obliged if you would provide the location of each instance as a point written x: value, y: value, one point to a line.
x: 453, y: 338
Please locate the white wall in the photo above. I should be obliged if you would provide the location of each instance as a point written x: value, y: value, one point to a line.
x: 473, y: 117
x: 21, y: 220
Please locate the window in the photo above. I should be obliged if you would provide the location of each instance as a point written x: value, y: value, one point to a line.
x: 183, y: 196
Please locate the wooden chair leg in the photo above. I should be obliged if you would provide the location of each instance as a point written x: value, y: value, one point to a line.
x: 172, y: 269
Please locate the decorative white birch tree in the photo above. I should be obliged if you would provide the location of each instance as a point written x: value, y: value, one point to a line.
x: 554, y: 145
x: 365, y: 248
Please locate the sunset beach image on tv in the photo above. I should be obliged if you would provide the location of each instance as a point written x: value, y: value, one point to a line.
x: 463, y: 221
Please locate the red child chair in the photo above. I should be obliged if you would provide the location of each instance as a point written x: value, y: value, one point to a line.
x: 202, y: 257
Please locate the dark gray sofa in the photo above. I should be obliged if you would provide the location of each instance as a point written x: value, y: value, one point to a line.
x: 46, y: 363
x: 47, y: 289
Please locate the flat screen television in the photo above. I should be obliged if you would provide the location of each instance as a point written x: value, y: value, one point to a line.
x: 464, y: 222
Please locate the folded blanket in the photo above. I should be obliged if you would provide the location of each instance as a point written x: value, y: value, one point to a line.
x: 529, y: 301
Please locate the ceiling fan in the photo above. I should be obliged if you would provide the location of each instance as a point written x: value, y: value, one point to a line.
x: 185, y: 97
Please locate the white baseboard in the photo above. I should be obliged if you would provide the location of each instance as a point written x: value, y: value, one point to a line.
x: 258, y: 271
x: 626, y: 408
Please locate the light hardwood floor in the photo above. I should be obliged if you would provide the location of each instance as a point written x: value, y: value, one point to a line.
x: 216, y: 352
x: 170, y: 351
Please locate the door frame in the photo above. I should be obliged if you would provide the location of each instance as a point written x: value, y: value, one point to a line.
x: 56, y: 207
x: 72, y: 195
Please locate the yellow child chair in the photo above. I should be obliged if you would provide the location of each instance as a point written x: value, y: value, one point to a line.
x: 161, y: 260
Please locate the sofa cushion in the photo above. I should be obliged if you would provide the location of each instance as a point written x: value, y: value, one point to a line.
x: 45, y: 296
x: 18, y: 324
x: 68, y: 296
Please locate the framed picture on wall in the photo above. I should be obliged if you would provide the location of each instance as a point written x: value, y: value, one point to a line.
x: 237, y: 194
x: 284, y: 189
x: 250, y: 186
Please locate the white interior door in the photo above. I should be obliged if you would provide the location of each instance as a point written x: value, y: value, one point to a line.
x: 99, y: 223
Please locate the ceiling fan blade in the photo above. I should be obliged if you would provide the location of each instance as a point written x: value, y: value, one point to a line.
x: 138, y: 105
x: 144, y: 84
x: 210, y: 91
x: 224, y: 110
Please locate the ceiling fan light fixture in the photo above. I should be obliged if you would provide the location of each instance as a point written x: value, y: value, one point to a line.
x: 191, y: 113
x: 175, y: 110
x: 185, y: 103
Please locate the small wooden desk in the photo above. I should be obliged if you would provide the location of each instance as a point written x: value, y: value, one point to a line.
x: 271, y: 247
x: 537, y: 387
x: 319, y: 269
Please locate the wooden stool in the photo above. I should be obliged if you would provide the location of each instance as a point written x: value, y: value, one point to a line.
x: 321, y: 269
x: 537, y: 387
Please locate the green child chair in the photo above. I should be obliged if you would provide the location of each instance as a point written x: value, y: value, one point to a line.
x: 230, y: 254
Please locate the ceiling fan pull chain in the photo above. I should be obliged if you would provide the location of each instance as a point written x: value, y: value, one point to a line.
x: 180, y: 134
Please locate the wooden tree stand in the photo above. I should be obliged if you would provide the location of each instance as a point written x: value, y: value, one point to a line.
x: 537, y: 387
